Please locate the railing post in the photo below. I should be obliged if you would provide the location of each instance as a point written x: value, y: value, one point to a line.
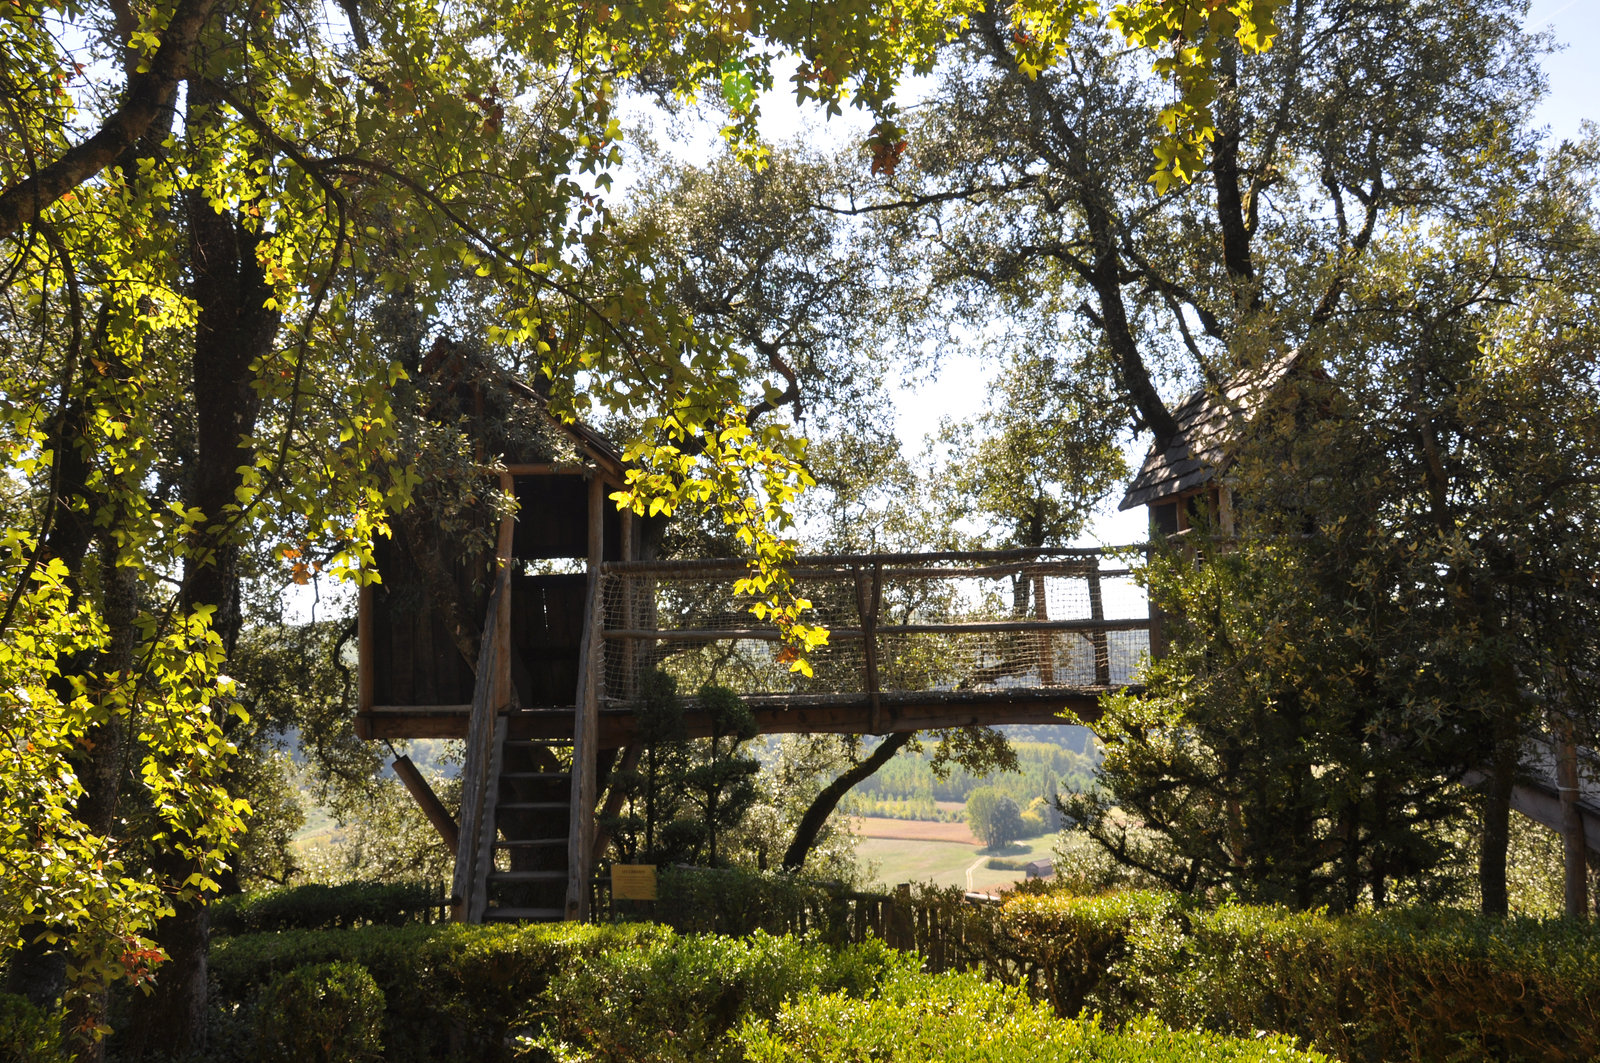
x: 1046, y: 642
x: 867, y: 601
x: 1097, y: 611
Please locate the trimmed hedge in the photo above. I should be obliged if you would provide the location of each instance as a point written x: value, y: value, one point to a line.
x: 642, y: 993
x: 318, y: 907
x: 1402, y: 984
x: 739, y: 901
x: 960, y: 1018
x: 633, y: 992
x: 321, y: 1013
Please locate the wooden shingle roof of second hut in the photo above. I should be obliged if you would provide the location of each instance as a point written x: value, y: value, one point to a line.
x: 1207, y: 422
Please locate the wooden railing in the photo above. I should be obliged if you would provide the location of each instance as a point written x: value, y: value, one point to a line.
x: 475, y: 841
x: 899, y: 624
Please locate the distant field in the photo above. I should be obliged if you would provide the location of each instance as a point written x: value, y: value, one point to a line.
x: 918, y: 830
x: 903, y: 850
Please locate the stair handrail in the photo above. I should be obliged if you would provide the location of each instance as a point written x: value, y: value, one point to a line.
x: 475, y: 766
x: 585, y: 737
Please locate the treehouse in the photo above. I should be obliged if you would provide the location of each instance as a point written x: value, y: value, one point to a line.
x: 526, y: 633
x: 1184, y: 485
x: 1184, y: 482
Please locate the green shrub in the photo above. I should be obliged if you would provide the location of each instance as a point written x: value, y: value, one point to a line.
x: 679, y: 1003
x: 453, y: 991
x: 736, y: 901
x: 960, y: 1018
x: 29, y: 1033
x: 317, y: 907
x: 635, y: 992
x: 1413, y: 984
x: 321, y: 1013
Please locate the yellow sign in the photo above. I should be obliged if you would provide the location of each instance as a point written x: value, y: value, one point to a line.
x: 633, y: 882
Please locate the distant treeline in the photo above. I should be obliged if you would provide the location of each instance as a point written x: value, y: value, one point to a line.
x: 906, y: 787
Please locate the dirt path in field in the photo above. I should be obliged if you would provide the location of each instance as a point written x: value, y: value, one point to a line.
x: 913, y: 830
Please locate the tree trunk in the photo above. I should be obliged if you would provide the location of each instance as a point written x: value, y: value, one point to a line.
x: 1496, y: 836
x: 805, y: 835
x: 1573, y: 845
x: 233, y: 329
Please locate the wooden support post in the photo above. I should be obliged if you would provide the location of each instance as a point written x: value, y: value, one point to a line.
x: 428, y: 801
x: 1047, y: 641
x: 1097, y: 611
x: 868, y: 598
x: 502, y: 632
x: 1574, y: 849
x: 586, y: 722
x: 476, y: 763
x: 478, y: 896
x: 627, y: 592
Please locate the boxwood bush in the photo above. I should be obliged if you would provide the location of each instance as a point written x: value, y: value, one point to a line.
x: 960, y: 1018
x: 1402, y: 984
x: 321, y: 1013
x: 564, y: 991
x: 642, y: 993
x: 319, y: 907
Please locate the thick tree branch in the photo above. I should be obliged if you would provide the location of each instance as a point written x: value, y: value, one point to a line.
x: 1236, y: 257
x: 805, y: 835
x: 147, y: 94
x: 931, y: 198
x: 1069, y: 154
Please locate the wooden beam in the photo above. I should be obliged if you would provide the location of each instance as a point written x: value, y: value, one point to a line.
x: 428, y: 801
x: 766, y: 634
x: 545, y: 468
x: 778, y: 714
x: 365, y: 684
x: 502, y: 619
x: 479, y: 730
x: 390, y: 724
x: 1079, y: 555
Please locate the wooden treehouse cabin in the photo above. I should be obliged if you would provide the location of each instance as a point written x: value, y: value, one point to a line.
x: 526, y: 635
x: 1184, y: 485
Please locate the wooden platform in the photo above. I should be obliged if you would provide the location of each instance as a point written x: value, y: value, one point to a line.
x: 775, y: 713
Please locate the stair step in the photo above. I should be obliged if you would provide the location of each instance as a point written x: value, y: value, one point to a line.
x: 525, y: 913
x: 524, y: 743
x: 528, y: 843
x: 531, y: 806
x: 527, y: 876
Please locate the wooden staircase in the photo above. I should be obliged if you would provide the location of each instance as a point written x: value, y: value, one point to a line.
x: 527, y: 804
x: 527, y: 814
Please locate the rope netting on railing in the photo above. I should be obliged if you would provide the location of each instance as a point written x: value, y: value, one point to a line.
x: 951, y: 622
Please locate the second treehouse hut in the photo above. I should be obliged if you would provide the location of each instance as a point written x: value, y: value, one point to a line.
x: 1185, y: 486
x: 525, y: 631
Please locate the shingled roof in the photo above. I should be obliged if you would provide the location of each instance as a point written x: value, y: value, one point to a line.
x: 1207, y: 421
x: 467, y: 385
